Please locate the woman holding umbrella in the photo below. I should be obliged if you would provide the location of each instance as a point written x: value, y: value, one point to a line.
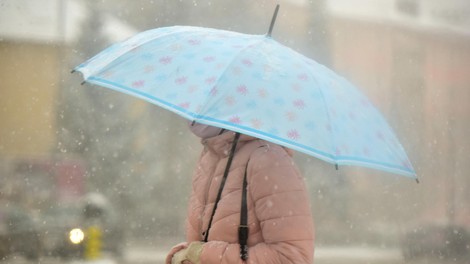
x: 248, y: 203
x: 248, y: 200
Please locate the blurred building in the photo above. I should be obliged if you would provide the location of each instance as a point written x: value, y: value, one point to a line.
x: 412, y: 57
x: 36, y: 38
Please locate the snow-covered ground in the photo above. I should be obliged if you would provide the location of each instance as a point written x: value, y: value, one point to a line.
x: 357, y: 253
x: 323, y: 255
x: 360, y: 254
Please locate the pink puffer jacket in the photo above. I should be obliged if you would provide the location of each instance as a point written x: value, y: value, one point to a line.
x: 279, y: 215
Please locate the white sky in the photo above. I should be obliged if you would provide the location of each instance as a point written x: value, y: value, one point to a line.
x: 51, y: 21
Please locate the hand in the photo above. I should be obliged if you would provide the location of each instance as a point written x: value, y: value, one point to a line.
x: 185, y: 253
x: 174, y: 250
x: 193, y: 253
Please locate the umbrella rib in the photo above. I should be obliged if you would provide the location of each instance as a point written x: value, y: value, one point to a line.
x: 323, y: 99
x: 232, y: 60
x: 126, y: 51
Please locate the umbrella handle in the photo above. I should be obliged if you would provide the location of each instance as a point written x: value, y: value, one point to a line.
x: 273, y: 20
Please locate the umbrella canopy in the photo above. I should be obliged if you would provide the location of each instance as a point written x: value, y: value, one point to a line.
x: 253, y: 85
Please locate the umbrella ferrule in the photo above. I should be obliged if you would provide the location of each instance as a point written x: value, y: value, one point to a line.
x: 273, y: 20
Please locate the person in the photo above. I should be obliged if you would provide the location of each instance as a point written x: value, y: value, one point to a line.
x: 279, y: 218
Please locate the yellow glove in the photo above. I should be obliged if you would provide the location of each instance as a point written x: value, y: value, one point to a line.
x: 191, y: 253
x: 179, y: 256
x: 194, y: 251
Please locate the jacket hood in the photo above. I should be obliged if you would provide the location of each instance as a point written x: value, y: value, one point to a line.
x: 204, y: 131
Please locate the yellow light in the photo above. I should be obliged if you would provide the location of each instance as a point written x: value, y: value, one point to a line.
x: 76, y: 235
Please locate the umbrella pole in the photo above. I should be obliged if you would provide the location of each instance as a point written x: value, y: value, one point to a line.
x: 273, y: 20
x: 222, y: 184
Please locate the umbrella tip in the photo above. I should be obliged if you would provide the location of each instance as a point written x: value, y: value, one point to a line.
x: 273, y: 20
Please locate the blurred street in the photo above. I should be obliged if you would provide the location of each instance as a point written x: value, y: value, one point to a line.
x: 85, y: 168
x: 330, y: 255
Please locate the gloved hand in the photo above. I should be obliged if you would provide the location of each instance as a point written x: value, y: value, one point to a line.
x: 174, y: 250
x: 179, y: 256
x: 191, y: 253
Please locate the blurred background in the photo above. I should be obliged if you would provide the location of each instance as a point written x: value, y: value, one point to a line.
x: 74, y: 155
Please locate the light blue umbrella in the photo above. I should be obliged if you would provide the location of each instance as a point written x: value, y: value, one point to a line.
x: 253, y: 85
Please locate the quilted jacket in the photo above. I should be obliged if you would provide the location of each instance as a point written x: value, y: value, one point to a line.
x: 279, y: 215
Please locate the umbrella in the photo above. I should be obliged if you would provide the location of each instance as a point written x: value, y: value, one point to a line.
x: 253, y: 85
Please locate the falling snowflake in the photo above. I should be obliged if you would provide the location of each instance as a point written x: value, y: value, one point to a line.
x: 269, y: 203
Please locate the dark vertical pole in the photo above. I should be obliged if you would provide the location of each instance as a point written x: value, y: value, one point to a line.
x: 273, y: 20
x: 222, y: 184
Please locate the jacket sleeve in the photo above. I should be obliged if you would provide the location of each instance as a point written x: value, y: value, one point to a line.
x: 282, y: 207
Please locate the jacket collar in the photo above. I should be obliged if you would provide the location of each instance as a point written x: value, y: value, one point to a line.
x: 222, y: 144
